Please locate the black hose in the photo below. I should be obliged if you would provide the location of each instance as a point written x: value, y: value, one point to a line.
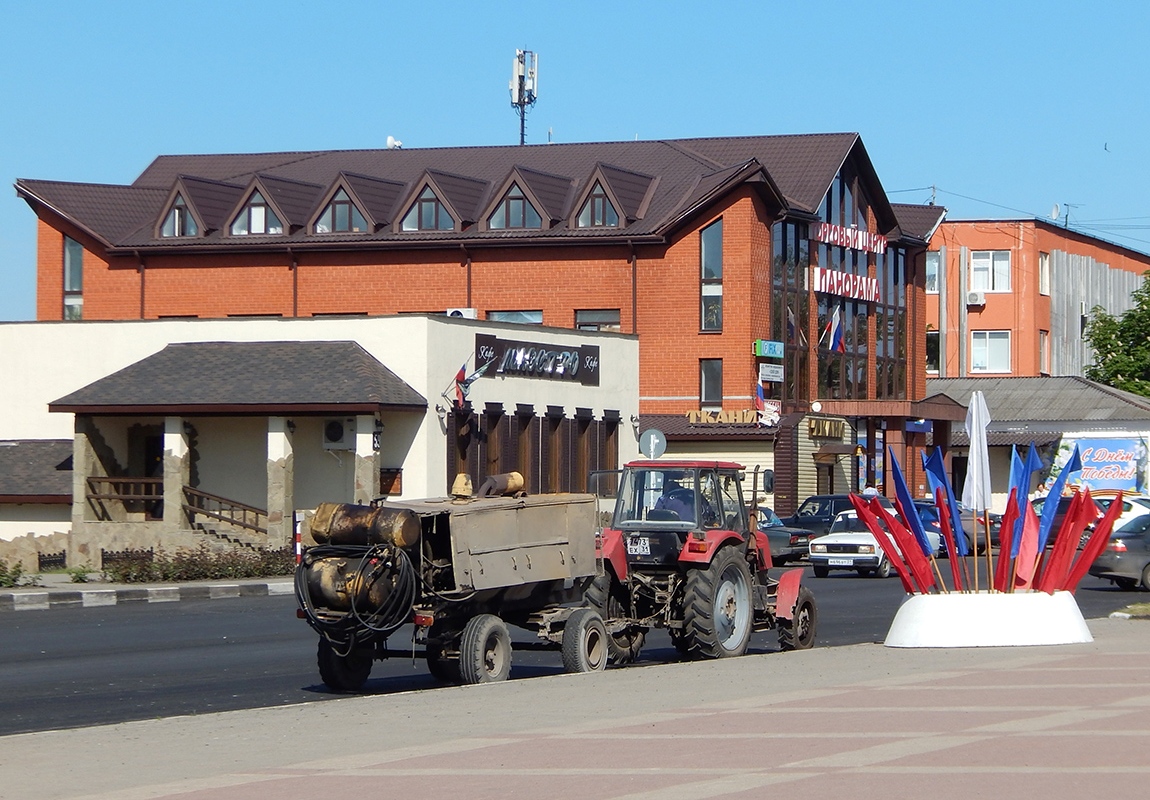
x: 396, y: 609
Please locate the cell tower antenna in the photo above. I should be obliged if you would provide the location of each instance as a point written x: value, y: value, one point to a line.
x: 524, y: 87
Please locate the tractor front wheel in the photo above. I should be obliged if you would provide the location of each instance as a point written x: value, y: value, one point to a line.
x: 717, y: 611
x: 605, y: 595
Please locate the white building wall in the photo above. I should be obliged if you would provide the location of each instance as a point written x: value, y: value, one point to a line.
x: 232, y: 458
x: 38, y: 519
x: 44, y: 361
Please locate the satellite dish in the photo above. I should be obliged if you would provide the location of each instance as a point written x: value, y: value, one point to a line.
x: 393, y: 143
x: 1055, y: 212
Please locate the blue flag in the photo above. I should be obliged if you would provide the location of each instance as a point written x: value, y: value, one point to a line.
x: 1050, y: 506
x: 1018, y: 475
x: 906, y: 505
x: 936, y: 477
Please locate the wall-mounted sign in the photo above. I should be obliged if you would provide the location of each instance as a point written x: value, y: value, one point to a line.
x: 825, y: 428
x: 771, y: 372
x: 850, y: 237
x: 857, y: 287
x: 502, y: 357
x: 764, y: 348
x: 736, y: 416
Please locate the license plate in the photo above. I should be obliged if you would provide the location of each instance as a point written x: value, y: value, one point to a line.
x: 638, y: 546
x: 840, y: 562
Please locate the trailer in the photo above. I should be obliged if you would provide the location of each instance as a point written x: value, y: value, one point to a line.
x: 462, y: 570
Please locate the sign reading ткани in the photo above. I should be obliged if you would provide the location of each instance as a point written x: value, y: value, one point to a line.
x: 500, y: 357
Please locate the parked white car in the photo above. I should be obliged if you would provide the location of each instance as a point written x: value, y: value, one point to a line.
x: 851, y: 546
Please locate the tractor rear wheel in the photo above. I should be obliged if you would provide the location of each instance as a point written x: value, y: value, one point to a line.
x: 798, y: 633
x: 584, y: 642
x: 485, y: 650
x: 343, y: 673
x: 717, y: 612
x: 605, y: 595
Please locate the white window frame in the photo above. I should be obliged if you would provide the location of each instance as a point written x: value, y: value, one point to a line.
x: 1044, y: 274
x: 1044, y: 352
x: 987, y: 272
x: 937, y: 269
x: 983, y: 359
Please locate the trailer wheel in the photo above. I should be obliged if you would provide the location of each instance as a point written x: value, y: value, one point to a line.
x: 717, y: 614
x: 584, y: 642
x: 485, y: 650
x: 605, y: 595
x: 798, y: 633
x: 343, y: 673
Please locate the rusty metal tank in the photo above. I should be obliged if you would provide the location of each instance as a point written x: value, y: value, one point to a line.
x: 346, y: 523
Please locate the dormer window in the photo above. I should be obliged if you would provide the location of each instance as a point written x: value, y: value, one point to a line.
x: 257, y: 217
x: 515, y: 211
x: 179, y: 221
x: 428, y: 214
x: 341, y: 216
x: 597, y: 212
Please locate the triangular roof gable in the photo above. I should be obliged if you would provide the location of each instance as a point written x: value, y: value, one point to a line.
x: 373, y: 197
x: 858, y: 160
x: 714, y: 185
x: 460, y: 195
x: 549, y: 194
x: 317, y: 377
x: 207, y: 201
x: 293, y: 200
x: 629, y: 192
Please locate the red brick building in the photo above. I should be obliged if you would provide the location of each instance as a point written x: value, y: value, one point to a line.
x: 772, y: 261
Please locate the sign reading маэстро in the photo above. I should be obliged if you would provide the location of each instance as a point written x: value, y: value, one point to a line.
x: 502, y: 357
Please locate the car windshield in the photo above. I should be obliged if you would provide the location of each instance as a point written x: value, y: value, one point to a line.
x: 768, y: 518
x: 850, y: 522
x: 814, y: 507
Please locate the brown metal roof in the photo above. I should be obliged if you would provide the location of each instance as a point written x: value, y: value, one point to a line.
x: 657, y: 183
x: 919, y: 222
x: 251, y: 377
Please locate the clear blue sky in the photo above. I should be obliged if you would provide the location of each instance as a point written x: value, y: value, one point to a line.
x: 1006, y: 107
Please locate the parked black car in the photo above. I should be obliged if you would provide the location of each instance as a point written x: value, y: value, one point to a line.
x: 1126, y: 559
x: 787, y: 543
x: 818, y: 511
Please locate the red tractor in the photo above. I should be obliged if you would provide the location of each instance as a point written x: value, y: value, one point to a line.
x: 682, y: 553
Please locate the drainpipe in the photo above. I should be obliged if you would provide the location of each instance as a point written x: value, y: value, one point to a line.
x: 963, y: 259
x: 634, y: 288
x: 294, y: 283
x: 467, y: 265
x: 140, y: 269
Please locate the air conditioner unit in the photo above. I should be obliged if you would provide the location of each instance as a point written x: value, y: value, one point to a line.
x: 339, y: 434
x: 976, y: 298
x: 465, y: 313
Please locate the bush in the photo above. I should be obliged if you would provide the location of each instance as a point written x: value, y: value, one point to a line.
x: 14, y: 576
x: 141, y: 566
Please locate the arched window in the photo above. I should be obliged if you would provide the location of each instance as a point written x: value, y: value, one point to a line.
x: 179, y: 221
x: 257, y: 217
x: 515, y: 211
x: 428, y: 214
x: 341, y: 216
x: 597, y: 212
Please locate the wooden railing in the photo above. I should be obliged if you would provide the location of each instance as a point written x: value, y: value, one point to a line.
x: 197, y: 503
x: 136, y: 494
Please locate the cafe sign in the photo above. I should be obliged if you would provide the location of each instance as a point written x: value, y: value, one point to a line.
x: 495, y: 357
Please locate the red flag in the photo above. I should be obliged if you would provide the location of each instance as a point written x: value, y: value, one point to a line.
x: 884, y: 541
x: 1027, y: 549
x: 1056, y: 567
x: 460, y: 380
x: 1094, y: 547
x: 1006, y: 529
x: 943, y: 507
x: 911, y: 550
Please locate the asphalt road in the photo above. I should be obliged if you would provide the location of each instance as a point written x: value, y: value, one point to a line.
x: 76, y: 667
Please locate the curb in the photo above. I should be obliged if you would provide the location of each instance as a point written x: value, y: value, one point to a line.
x: 37, y: 599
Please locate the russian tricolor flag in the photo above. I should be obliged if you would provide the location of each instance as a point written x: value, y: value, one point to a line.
x: 835, y: 328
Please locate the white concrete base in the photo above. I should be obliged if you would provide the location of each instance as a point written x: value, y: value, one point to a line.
x: 982, y: 619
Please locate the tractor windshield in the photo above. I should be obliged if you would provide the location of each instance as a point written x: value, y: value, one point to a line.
x: 657, y: 496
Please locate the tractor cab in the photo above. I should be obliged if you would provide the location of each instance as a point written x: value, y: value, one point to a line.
x: 661, y: 502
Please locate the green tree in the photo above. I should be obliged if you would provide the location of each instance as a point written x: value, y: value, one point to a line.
x: 1122, y: 344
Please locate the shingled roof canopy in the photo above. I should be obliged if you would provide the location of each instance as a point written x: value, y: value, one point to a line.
x: 1059, y: 400
x: 659, y: 185
x: 36, y: 471
x: 248, y: 378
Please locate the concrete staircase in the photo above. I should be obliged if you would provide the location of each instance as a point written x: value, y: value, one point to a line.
x: 232, y: 535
